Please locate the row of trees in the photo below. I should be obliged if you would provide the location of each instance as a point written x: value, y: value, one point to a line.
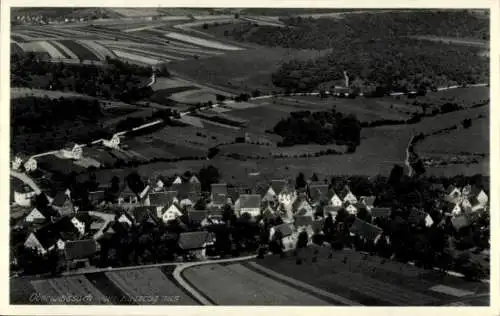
x: 305, y: 127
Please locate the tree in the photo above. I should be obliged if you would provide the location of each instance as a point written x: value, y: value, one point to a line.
x: 207, y: 176
x: 314, y: 177
x: 395, y: 176
x: 302, y: 240
x: 300, y: 181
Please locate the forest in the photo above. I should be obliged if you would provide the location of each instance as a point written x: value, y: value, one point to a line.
x: 114, y: 80
x: 377, y: 49
x: 304, y: 127
x: 35, y: 128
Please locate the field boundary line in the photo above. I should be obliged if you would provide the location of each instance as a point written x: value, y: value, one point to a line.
x: 177, y: 274
x: 303, y: 285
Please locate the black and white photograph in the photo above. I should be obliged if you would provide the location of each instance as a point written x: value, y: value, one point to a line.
x: 251, y: 156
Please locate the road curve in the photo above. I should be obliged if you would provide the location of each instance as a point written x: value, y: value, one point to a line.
x: 27, y: 180
x: 197, y: 295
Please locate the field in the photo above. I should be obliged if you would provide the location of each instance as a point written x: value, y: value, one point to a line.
x: 148, y: 286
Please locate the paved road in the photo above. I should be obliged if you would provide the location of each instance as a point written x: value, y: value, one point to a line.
x: 26, y: 180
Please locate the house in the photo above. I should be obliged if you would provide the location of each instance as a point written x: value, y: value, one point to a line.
x: 79, y: 251
x: 113, y: 142
x: 334, y: 200
x: 159, y: 185
x: 160, y: 200
x: 54, y: 235
x: 17, y: 160
x: 248, y: 203
x: 72, y: 151
x: 195, y: 217
x: 351, y: 208
x: 145, y: 214
x: 301, y: 205
x: 218, y: 193
x: 302, y: 223
x: 368, y: 201
x: 476, y: 205
x: 97, y: 197
x: 318, y: 192
x: 39, y: 215
x: 365, y: 230
x: 62, y: 204
x: 23, y: 195
x: 460, y: 221
x: 332, y: 210
x: 452, y: 208
x: 127, y: 196
x: 195, y: 243
x: 194, y: 180
x: 452, y: 194
x: 110, y: 229
x: 380, y: 212
x: 190, y: 199
x: 480, y: 195
x: 213, y: 217
x: 144, y: 194
x: 171, y: 213
x: 177, y: 180
x: 286, y: 231
x: 417, y: 217
x: 279, y: 189
x: 465, y: 204
x: 79, y: 224
x: 347, y: 196
x: 23, y: 160
x: 124, y: 218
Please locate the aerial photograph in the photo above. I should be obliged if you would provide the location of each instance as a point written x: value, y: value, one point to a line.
x: 249, y: 156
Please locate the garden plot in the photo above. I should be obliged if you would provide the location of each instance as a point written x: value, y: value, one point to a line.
x: 150, y: 284
x: 75, y: 286
x: 247, y: 287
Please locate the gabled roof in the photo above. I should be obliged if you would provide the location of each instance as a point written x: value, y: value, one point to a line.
x: 318, y: 191
x: 80, y: 249
x: 193, y: 240
x: 301, y: 221
x: 126, y: 190
x: 298, y: 202
x: 62, y: 229
x: 365, y: 229
x: 278, y: 185
x: 60, y: 199
x: 450, y: 189
x: 369, y: 200
x: 285, y: 229
x: 194, y: 179
x: 346, y: 190
x: 268, y: 214
x: 250, y: 201
x: 330, y: 208
x: 218, y: 188
x: 145, y: 213
x: 233, y: 193
x: 448, y: 207
x: 162, y: 198
x: 45, y: 211
x: 184, y: 189
x: 383, y: 212
x: 475, y: 191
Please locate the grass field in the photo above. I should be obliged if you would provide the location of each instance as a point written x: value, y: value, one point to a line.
x: 242, y: 70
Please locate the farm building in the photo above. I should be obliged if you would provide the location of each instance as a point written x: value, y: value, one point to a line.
x: 248, y: 203
x: 171, y: 213
x: 195, y: 244
x: 72, y: 151
x: 78, y: 252
x: 39, y: 215
x: 334, y: 200
x: 160, y: 200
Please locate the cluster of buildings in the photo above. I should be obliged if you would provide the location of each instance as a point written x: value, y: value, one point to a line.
x: 61, y: 226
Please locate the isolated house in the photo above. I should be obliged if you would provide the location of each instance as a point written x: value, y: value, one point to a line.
x: 72, y: 151
x: 248, y: 203
x: 113, y: 142
x: 62, y: 204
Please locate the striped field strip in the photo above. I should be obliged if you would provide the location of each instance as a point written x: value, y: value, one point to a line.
x: 451, y: 290
x: 63, y: 49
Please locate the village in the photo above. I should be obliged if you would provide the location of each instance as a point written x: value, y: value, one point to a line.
x: 195, y: 224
